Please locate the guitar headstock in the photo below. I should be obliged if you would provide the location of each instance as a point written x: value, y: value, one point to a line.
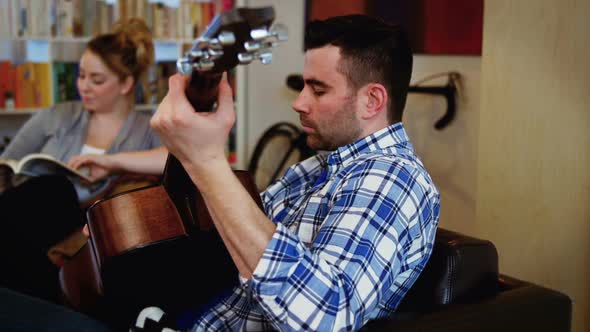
x: 238, y: 36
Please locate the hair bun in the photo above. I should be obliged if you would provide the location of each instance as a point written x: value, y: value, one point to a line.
x: 135, y: 31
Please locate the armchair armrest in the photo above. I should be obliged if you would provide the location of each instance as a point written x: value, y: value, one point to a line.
x: 519, y: 306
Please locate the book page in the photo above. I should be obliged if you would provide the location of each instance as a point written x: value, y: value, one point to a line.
x: 6, y: 163
x: 8, y: 179
x: 44, y: 164
x: 13, y: 173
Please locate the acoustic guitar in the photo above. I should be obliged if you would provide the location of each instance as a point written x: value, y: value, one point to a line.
x: 157, y: 246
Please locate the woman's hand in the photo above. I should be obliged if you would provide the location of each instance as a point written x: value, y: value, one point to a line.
x: 99, y: 165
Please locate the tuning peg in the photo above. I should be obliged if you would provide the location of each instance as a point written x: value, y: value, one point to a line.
x: 215, y: 44
x: 195, y: 54
x: 280, y: 32
x: 215, y: 54
x: 201, y: 43
x: 226, y: 38
x: 245, y: 58
x: 259, y: 34
x: 265, y: 57
x: 184, y: 66
x: 252, y: 46
x: 204, y: 65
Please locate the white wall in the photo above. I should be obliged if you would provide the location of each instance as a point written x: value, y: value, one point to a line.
x: 533, y: 195
x: 263, y: 96
x: 450, y: 154
x: 514, y: 165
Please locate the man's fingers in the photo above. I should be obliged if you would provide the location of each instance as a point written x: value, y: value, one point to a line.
x: 225, y: 100
x: 175, y: 106
x: 176, y: 84
x: 225, y: 92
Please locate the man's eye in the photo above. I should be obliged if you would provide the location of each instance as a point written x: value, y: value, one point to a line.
x: 318, y: 92
x: 98, y: 82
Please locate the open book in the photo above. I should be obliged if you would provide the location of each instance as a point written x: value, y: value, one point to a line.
x: 39, y: 164
x: 13, y: 172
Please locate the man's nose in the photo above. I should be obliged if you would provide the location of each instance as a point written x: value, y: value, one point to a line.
x: 300, y: 104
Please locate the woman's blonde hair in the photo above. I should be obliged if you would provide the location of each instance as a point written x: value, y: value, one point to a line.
x: 128, y: 50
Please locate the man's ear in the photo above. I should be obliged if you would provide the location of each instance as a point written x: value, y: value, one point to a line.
x: 128, y: 84
x: 376, y: 100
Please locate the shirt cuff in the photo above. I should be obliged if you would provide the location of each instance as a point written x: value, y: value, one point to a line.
x: 245, y: 282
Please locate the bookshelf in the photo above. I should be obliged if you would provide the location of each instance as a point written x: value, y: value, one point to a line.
x: 38, y: 36
x: 45, y: 39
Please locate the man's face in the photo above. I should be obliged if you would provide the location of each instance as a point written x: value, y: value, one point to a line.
x: 327, y: 106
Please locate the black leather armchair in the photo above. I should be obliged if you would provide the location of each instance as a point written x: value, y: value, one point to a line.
x: 460, y: 289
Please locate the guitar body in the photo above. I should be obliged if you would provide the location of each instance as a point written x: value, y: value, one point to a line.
x: 158, y: 246
x: 143, y: 253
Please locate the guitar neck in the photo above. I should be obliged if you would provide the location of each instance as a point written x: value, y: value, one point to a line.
x: 202, y: 89
x: 235, y: 37
x: 201, y: 92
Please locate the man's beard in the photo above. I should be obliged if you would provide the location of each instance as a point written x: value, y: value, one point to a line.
x: 341, y: 132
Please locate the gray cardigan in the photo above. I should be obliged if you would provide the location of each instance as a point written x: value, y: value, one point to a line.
x: 61, y: 132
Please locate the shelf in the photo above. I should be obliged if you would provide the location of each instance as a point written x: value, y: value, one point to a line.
x: 18, y: 111
x: 87, y: 38
x: 29, y: 111
x: 54, y: 39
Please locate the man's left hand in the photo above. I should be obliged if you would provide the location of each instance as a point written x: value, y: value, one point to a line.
x: 196, y: 139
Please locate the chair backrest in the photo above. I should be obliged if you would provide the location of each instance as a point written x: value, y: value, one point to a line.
x: 279, y: 147
x: 461, y: 269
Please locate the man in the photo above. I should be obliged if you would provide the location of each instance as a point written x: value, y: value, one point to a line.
x: 345, y: 234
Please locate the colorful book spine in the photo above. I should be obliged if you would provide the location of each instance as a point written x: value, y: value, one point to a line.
x: 7, y: 84
x: 33, y: 85
x: 64, y: 81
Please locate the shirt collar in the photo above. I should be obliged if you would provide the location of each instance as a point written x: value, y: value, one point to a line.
x: 392, y: 138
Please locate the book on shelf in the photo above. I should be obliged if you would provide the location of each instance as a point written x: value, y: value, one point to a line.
x: 6, y: 25
x: 65, y: 18
x: 64, y: 81
x: 156, y: 85
x: 33, y: 85
x: 7, y: 83
x: 76, y: 18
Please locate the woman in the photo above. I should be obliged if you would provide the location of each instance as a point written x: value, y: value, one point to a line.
x: 104, y: 122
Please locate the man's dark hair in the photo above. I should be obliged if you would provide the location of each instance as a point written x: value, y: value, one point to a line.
x: 371, y: 50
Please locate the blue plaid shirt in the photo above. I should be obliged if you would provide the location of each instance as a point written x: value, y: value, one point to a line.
x: 354, y: 230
